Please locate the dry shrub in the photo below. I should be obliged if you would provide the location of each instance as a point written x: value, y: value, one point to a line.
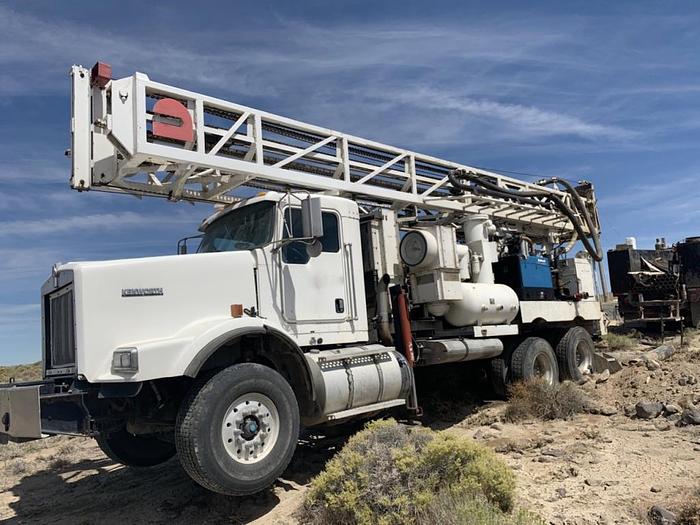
x: 392, y: 474
x: 18, y: 466
x: 689, y: 513
x: 537, y: 399
x: 59, y: 462
x: 29, y: 372
x: 619, y: 341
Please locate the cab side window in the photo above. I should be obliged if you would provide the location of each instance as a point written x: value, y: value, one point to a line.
x: 295, y: 252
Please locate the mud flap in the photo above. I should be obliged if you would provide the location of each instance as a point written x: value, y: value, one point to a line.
x: 603, y: 361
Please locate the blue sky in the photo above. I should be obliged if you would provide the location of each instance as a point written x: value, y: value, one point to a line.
x: 603, y: 91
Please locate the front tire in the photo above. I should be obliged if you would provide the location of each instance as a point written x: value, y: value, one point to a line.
x: 534, y: 358
x: 135, y: 450
x: 236, y: 433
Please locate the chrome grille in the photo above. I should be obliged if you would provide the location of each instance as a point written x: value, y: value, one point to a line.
x: 61, y: 328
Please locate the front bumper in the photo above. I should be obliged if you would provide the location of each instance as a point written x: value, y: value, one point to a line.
x: 42, y: 408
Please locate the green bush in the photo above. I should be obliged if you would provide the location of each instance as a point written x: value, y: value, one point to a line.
x: 537, y: 399
x: 451, y: 508
x: 394, y: 474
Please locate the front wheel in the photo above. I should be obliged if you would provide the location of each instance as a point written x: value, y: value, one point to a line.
x: 237, y: 432
x: 135, y: 450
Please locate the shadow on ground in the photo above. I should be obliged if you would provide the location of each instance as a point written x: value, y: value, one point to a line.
x: 99, y: 491
x: 96, y: 490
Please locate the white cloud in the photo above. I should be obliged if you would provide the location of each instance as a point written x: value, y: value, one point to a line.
x: 97, y: 221
x: 14, y: 314
x: 528, y: 121
x: 343, y: 70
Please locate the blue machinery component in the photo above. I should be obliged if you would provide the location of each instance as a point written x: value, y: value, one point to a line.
x: 535, y: 272
x: 530, y: 277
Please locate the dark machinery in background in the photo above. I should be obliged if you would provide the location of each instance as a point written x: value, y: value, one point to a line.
x: 660, y: 285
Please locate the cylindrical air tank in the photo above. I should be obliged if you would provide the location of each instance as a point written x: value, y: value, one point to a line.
x: 483, y: 304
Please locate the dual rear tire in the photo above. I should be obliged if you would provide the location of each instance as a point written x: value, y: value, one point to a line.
x: 575, y: 354
x: 535, y: 357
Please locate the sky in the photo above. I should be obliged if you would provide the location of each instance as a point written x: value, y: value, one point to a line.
x: 603, y: 91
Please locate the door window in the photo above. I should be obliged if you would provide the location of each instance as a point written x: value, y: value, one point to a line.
x: 295, y: 252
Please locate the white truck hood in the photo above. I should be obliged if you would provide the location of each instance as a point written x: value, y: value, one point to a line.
x: 153, y: 302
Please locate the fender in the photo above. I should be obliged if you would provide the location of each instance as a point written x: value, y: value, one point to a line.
x: 212, y: 346
x: 305, y: 391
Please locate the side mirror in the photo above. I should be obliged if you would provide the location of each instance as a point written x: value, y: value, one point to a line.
x: 311, y: 221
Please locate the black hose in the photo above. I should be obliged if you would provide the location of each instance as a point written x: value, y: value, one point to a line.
x: 529, y: 197
x: 581, y: 206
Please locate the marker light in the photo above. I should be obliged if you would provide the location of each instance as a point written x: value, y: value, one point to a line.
x: 125, y: 360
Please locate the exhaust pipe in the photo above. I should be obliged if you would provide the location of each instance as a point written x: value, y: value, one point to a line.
x: 383, y: 326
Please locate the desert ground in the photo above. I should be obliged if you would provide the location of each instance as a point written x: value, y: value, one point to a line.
x: 609, y: 465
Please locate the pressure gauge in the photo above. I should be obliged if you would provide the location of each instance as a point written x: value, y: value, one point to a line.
x: 413, y: 248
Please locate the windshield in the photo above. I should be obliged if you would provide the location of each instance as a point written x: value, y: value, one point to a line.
x: 245, y: 228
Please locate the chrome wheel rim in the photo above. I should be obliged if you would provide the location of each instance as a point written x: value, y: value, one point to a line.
x: 542, y: 367
x: 584, y: 359
x: 250, y: 428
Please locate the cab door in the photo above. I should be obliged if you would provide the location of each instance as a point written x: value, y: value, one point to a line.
x: 314, y: 289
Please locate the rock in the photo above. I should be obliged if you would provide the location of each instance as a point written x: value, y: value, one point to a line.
x: 660, y: 516
x: 589, y: 386
x: 553, y: 452
x: 687, y: 401
x: 690, y: 416
x: 608, y: 410
x: 662, y: 425
x: 593, y: 482
x: 497, y: 426
x: 660, y: 353
x: 648, y: 409
x: 655, y: 489
x: 630, y: 410
x: 682, y: 381
x: 670, y: 409
x: 653, y: 364
x: 603, y: 376
x: 561, y: 492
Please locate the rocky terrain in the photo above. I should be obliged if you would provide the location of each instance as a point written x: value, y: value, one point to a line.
x: 636, y: 446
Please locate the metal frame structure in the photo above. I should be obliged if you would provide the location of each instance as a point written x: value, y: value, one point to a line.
x: 129, y: 136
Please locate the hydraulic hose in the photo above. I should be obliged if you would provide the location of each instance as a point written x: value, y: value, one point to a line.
x: 530, y: 197
x: 581, y: 206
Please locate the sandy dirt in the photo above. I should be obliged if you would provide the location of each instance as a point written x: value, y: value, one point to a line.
x: 593, y: 469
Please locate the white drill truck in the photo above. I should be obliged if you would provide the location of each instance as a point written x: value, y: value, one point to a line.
x: 331, y: 268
